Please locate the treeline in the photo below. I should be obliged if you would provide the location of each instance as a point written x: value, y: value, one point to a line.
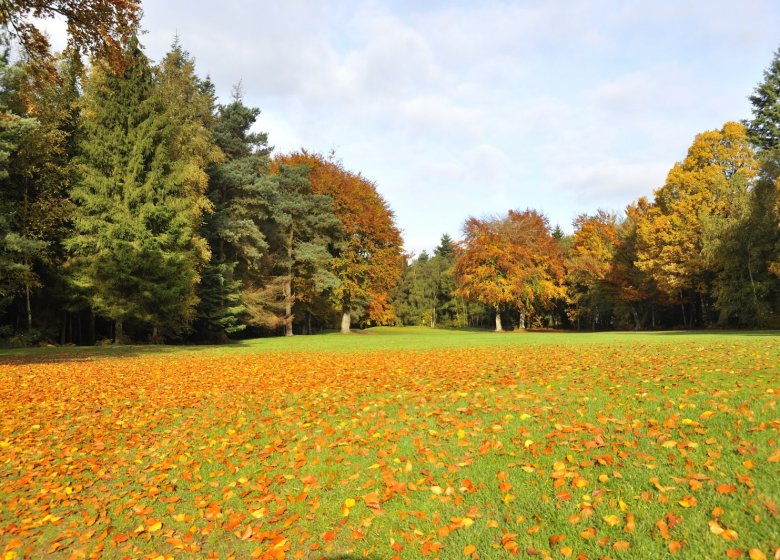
x: 134, y: 206
x: 705, y: 251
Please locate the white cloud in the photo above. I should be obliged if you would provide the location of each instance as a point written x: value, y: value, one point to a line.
x: 474, y: 108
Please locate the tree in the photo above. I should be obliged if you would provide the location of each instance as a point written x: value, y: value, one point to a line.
x: 100, y: 27
x: 699, y: 193
x: 634, y: 290
x: 34, y: 177
x: 141, y: 198
x: 425, y: 295
x: 301, y: 228
x: 512, y: 262
x: 415, y: 297
x: 485, y: 266
x: 588, y: 265
x: 764, y: 128
x: 764, y: 132
x: 238, y: 187
x: 369, y: 258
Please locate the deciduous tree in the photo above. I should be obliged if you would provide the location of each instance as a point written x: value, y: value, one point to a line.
x: 512, y: 262
x: 369, y: 257
x: 100, y: 27
x: 699, y: 191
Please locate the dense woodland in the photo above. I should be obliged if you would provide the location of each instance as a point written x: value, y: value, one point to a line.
x: 134, y: 206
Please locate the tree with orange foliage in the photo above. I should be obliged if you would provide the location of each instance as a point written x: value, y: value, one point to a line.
x: 99, y: 27
x: 369, y: 255
x: 691, y: 213
x: 512, y: 262
x: 588, y: 264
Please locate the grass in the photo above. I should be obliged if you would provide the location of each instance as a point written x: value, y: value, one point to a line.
x: 406, y: 443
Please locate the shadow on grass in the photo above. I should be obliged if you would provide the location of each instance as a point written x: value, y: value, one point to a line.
x: 54, y: 354
x: 703, y: 333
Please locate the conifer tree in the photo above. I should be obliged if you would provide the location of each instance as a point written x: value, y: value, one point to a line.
x: 141, y: 196
x: 301, y: 229
x: 238, y: 187
x: 764, y: 128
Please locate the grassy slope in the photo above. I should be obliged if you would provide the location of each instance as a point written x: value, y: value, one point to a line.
x: 443, y: 439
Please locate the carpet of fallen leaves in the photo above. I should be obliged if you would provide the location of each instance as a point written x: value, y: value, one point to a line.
x: 589, y: 451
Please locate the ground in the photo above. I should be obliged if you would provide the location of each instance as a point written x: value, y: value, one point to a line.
x: 395, y: 443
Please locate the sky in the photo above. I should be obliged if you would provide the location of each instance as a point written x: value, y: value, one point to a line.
x: 457, y: 109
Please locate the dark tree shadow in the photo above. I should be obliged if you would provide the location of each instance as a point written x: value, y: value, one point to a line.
x: 54, y: 354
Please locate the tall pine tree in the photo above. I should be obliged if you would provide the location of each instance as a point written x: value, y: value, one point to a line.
x: 141, y: 196
x: 238, y: 187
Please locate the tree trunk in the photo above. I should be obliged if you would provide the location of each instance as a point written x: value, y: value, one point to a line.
x: 753, y: 286
x: 29, y: 308
x: 346, y: 321
x: 119, y: 332
x: 288, y: 298
x: 64, y: 327
x: 637, y: 323
x: 704, y: 311
x: 499, y: 328
x: 288, y: 316
x: 91, y: 328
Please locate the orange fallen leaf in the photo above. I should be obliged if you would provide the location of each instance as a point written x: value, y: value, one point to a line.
x: 621, y: 545
x: 725, y: 488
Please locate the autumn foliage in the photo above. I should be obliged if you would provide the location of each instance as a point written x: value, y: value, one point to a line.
x: 512, y: 262
x: 637, y: 448
x: 369, y: 255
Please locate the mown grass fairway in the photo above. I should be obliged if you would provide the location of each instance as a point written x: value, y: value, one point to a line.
x: 396, y: 443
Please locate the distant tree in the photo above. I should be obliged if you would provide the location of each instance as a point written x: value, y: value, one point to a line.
x: 700, y: 192
x: 426, y: 294
x: 512, y: 262
x: 301, y: 230
x: 635, y: 291
x: 34, y: 180
x: 414, y: 298
x: 369, y: 257
x: 445, y: 248
x: 588, y: 265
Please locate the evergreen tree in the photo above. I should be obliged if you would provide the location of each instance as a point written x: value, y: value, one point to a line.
x: 764, y: 129
x: 141, y: 196
x: 238, y: 188
x: 301, y: 228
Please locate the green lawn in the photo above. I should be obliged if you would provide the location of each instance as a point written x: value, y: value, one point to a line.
x: 406, y: 443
